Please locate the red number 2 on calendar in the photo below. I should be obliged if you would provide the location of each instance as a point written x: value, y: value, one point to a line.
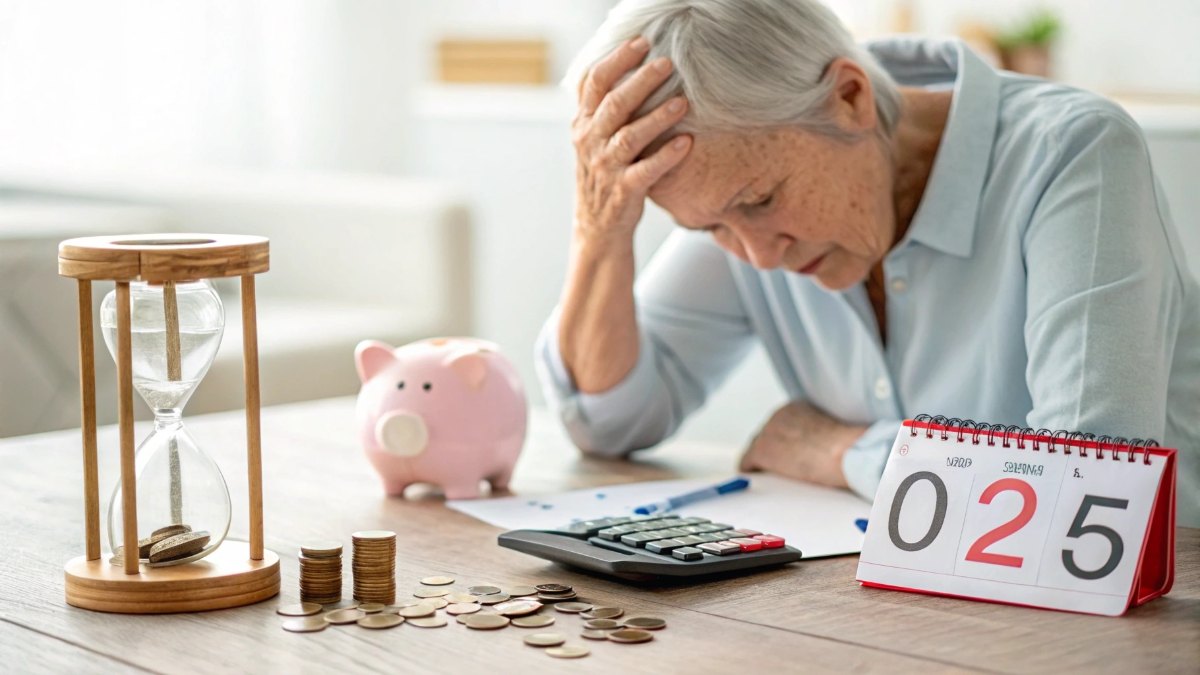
x: 978, y: 552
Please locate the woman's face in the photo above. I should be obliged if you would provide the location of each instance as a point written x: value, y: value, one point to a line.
x: 788, y: 198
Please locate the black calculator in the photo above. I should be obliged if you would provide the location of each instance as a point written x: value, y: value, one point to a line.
x: 650, y: 547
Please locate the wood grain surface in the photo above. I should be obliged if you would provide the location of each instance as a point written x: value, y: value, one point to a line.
x: 810, y: 616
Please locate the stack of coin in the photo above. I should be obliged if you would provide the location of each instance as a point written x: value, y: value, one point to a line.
x: 321, y: 572
x: 375, y: 566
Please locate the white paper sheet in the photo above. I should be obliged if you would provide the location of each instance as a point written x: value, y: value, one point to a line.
x: 817, y: 520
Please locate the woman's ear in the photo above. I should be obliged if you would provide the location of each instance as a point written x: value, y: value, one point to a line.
x: 853, y: 99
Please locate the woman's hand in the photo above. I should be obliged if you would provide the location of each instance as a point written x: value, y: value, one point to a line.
x: 611, y: 182
x: 800, y: 441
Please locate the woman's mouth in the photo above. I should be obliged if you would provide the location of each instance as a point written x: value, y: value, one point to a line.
x: 812, y: 266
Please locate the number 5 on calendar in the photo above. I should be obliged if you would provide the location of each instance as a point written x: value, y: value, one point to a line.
x: 1059, y: 521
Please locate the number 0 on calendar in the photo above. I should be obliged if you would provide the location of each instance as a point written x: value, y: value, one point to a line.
x: 1061, y: 521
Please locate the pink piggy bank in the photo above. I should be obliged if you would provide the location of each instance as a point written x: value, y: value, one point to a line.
x: 447, y: 411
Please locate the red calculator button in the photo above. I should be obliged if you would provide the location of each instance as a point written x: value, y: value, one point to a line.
x: 747, y: 544
x: 770, y: 541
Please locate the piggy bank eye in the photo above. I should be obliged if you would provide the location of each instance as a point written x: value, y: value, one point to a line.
x: 400, y: 385
x: 427, y: 386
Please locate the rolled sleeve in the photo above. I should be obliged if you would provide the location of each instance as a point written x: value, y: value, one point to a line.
x: 599, y: 423
x: 863, y: 463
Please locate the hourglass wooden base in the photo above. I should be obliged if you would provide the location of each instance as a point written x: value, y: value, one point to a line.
x: 225, y: 578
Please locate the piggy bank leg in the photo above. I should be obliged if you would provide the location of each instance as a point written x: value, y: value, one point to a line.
x: 501, y: 479
x: 462, y: 490
x: 394, y: 487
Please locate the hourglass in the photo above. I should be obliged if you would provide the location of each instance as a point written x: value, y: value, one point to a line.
x: 170, y: 512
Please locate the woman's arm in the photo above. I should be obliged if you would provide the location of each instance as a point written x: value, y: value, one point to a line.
x: 597, y: 331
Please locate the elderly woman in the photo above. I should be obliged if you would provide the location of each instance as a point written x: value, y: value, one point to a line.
x: 903, y: 228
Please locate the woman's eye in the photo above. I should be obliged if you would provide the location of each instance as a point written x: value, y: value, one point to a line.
x: 764, y: 202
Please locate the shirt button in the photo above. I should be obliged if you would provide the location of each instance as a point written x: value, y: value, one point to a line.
x: 883, y: 389
x: 899, y: 285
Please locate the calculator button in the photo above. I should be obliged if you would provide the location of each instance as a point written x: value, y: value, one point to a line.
x: 614, y: 533
x: 747, y: 533
x: 690, y: 540
x: 688, y: 553
x: 589, y: 528
x: 710, y: 537
x: 670, y: 522
x: 729, y: 534
x: 647, y: 526
x: 747, y: 544
x: 707, y: 527
x: 770, y: 540
x: 664, y: 546
x: 693, y: 521
x: 638, y: 539
x: 720, y: 548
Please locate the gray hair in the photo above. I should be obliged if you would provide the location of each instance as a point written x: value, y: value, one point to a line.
x: 742, y: 64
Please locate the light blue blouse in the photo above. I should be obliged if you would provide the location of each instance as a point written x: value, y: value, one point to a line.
x: 1041, y: 283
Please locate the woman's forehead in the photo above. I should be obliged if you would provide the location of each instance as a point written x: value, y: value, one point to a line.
x: 719, y: 161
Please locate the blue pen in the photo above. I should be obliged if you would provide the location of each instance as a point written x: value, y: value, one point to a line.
x: 734, y: 485
x: 861, y: 523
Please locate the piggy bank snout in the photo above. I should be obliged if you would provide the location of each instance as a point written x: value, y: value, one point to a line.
x: 402, y: 433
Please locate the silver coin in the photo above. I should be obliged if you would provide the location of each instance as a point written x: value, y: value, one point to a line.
x: 456, y: 608
x: 428, y: 622
x: 568, y: 652
x: 483, y: 590
x: 302, y: 609
x: 594, y: 634
x: 306, y: 624
x: 416, y: 611
x: 342, y: 616
x: 485, y: 621
x: 437, y: 581
x: 493, y: 599
x: 533, y: 621
x: 601, y: 624
x: 545, y: 639
x: 380, y: 621
x: 645, y: 623
x: 517, y: 591
x: 603, y: 613
x: 517, y: 607
x: 630, y: 635
x: 572, y: 607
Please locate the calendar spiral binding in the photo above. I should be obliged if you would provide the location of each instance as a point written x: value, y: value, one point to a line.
x: 963, y: 428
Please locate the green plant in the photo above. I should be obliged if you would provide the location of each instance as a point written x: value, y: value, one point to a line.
x: 1040, y: 29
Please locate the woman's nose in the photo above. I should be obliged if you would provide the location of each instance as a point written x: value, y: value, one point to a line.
x: 765, y: 249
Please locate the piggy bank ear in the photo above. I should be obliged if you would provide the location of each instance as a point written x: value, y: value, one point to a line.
x: 372, y: 356
x: 471, y: 366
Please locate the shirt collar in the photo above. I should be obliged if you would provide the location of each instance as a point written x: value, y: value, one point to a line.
x: 947, y: 215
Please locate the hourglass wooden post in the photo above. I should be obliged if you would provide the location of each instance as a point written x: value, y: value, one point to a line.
x: 236, y: 573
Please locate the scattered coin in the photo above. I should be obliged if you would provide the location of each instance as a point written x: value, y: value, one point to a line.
x: 594, y: 634
x: 380, y: 621
x: 416, y: 611
x: 572, y: 607
x: 307, y: 624
x: 341, y: 616
x: 437, y: 603
x: 518, y: 607
x: 569, y: 652
x: 554, y: 598
x: 545, y: 639
x: 483, y: 590
x: 485, y: 621
x: 517, y: 591
x: 461, y: 597
x: 493, y: 598
x: 392, y: 609
x: 533, y: 621
x: 603, y: 613
x: 645, y: 623
x: 630, y: 635
x: 437, y: 581
x: 372, y: 607
x: 179, y: 546
x: 457, y: 608
x: 428, y: 622
x: 601, y: 624
x: 302, y: 609
x: 341, y: 604
x: 430, y: 592
x: 553, y: 588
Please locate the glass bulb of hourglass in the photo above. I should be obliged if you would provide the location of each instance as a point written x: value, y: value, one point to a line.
x: 178, y: 484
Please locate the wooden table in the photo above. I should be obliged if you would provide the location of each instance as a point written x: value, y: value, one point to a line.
x: 318, y: 485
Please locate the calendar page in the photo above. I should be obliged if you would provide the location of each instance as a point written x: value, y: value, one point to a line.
x: 1021, y: 526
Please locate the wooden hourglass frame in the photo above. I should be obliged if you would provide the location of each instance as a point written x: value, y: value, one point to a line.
x: 236, y: 573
